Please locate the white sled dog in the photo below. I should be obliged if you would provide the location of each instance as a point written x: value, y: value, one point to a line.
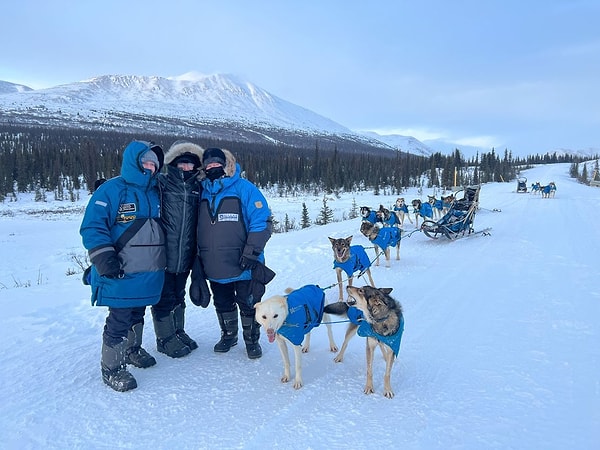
x: 289, y: 318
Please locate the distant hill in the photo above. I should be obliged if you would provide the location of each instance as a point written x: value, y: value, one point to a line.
x: 9, y: 88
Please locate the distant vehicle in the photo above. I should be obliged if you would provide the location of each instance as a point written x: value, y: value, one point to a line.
x: 521, y: 184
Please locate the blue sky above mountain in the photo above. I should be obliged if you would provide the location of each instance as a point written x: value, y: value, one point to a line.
x: 521, y: 75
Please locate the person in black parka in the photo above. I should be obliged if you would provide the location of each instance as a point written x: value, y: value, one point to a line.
x: 179, y: 191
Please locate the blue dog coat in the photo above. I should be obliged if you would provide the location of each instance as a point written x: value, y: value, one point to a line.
x: 372, y: 217
x: 387, y: 237
x: 305, y: 312
x: 358, y: 261
x: 393, y: 341
x: 402, y: 208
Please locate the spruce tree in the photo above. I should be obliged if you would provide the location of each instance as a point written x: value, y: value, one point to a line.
x: 325, y: 215
x: 305, y: 220
x: 353, y: 210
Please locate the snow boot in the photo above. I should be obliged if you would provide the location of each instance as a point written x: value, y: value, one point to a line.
x: 251, y: 333
x: 229, y: 331
x: 179, y: 318
x: 114, y: 371
x: 167, y: 341
x: 135, y: 354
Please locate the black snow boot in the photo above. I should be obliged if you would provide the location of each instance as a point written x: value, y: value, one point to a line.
x: 251, y: 332
x: 114, y: 371
x: 179, y: 318
x: 135, y: 354
x: 229, y: 331
x: 167, y: 341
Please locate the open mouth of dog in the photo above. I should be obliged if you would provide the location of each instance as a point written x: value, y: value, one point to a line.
x: 351, y: 301
x: 271, y: 335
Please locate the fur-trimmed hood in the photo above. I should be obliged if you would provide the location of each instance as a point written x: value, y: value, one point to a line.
x: 229, y: 163
x: 181, y: 147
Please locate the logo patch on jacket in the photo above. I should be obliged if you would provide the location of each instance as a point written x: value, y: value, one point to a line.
x: 127, y: 208
x: 228, y: 217
x: 124, y: 219
x: 258, y: 204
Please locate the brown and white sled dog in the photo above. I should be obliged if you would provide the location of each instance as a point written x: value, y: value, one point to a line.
x: 382, y: 238
x: 401, y: 210
x: 349, y: 259
x: 383, y: 326
x: 289, y: 318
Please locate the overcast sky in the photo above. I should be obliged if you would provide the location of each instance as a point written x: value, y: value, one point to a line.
x: 504, y: 73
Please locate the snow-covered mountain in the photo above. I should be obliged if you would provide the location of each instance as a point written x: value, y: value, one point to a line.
x: 405, y: 143
x: 9, y: 88
x: 221, y: 105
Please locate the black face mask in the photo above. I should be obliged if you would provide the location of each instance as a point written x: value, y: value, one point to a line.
x: 214, y: 173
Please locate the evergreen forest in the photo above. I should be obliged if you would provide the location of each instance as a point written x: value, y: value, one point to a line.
x: 57, y: 163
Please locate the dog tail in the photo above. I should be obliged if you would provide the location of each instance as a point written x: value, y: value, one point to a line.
x: 337, y: 308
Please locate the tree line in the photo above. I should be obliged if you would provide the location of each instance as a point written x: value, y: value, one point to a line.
x: 60, y: 162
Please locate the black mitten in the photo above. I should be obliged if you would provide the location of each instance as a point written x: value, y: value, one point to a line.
x: 249, y: 258
x: 199, y: 292
x: 107, y: 263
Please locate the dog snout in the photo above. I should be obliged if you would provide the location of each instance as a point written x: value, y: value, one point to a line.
x: 351, y: 301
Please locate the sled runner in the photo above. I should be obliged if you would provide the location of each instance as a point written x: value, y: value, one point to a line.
x: 458, y: 221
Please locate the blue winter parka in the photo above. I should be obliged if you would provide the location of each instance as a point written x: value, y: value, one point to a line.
x: 124, y: 215
x: 233, y: 214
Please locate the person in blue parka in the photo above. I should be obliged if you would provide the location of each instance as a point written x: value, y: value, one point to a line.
x: 234, y: 225
x: 122, y: 231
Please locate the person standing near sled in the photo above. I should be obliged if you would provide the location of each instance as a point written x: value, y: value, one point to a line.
x: 122, y: 232
x: 180, y: 190
x: 234, y: 225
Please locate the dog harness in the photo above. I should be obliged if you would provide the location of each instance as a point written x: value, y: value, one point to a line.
x: 393, y: 341
x: 387, y: 237
x: 358, y: 261
x: 305, y: 312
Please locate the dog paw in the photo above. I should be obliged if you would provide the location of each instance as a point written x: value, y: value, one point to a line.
x: 388, y: 394
x: 333, y: 348
x: 338, y: 358
x: 285, y: 378
x: 369, y: 389
x: 305, y: 349
x: 298, y: 384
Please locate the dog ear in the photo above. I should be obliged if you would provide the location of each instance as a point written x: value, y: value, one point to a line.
x: 386, y: 290
x: 349, y: 239
x: 332, y: 240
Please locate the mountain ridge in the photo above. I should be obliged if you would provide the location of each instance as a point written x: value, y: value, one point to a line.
x: 219, y: 105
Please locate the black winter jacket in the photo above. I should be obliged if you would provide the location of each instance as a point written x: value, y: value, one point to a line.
x: 179, y: 200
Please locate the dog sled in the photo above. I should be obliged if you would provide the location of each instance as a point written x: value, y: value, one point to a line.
x: 521, y: 184
x: 458, y: 221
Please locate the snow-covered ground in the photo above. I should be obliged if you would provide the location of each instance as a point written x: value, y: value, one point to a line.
x: 500, y: 349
